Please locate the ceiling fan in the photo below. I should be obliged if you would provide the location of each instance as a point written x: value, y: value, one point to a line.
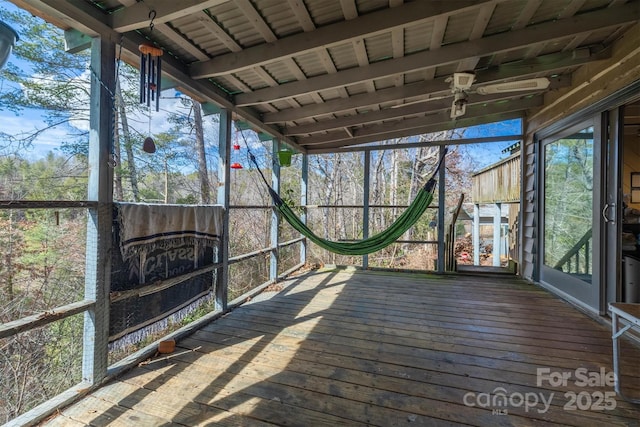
x: 461, y: 87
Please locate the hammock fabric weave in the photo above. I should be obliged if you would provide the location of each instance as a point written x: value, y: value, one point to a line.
x: 372, y: 244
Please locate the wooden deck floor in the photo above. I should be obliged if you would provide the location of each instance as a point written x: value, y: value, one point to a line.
x: 341, y: 348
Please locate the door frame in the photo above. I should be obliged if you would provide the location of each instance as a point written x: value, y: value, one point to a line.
x: 611, y: 276
x: 587, y: 295
x: 610, y: 283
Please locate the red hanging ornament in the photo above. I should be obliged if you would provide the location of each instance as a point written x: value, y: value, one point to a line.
x: 235, y: 165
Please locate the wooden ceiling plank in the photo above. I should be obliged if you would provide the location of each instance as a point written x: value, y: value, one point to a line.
x: 268, y: 79
x: 437, y: 36
x: 430, y: 128
x: 349, y: 9
x: 328, y: 64
x: 329, y: 35
x: 571, y: 9
x: 179, y: 39
x: 363, y: 60
x: 534, y: 50
x: 522, y: 21
x: 412, y: 109
x: 174, y: 36
x: 576, y: 41
x: 397, y: 42
x: 547, y: 31
x: 302, y: 14
x: 479, y: 27
x: 295, y: 69
x: 527, y: 13
x: 243, y: 87
x: 256, y: 20
x: 299, y: 74
x: 136, y: 16
x: 213, y: 27
x: 482, y: 20
x: 440, y: 117
x: 545, y: 63
x: 397, y: 45
x: 417, y: 144
x: 449, y: 54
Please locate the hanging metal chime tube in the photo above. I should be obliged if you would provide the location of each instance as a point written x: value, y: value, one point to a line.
x: 150, y: 74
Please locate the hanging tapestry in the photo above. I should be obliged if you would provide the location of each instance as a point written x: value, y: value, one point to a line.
x: 162, y: 264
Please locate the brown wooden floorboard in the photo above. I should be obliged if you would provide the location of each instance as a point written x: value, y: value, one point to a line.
x: 379, y: 349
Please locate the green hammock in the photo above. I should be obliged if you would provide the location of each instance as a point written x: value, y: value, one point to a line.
x: 373, y: 243
x: 369, y: 245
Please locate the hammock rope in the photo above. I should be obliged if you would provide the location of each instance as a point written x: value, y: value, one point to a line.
x: 371, y: 244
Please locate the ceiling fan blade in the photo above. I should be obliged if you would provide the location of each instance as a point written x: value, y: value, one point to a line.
x: 419, y: 101
x: 517, y: 86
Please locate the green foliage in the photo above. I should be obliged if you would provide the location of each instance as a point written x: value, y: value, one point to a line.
x: 568, y: 195
x: 50, y: 178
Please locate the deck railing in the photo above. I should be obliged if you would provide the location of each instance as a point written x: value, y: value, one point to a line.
x: 578, y: 258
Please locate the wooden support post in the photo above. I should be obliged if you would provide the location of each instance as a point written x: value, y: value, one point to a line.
x: 441, y: 209
x: 365, y: 201
x: 224, y: 187
x: 497, y: 228
x: 275, y: 184
x: 476, y: 234
x: 304, y: 197
x: 100, y: 189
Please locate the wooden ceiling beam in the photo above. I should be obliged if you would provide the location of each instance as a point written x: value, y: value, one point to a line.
x: 408, y: 110
x: 430, y: 128
x: 480, y: 25
x: 544, y: 32
x: 518, y: 69
x: 136, y: 16
x: 330, y: 35
x: 174, y: 36
x: 431, y: 119
x: 417, y: 144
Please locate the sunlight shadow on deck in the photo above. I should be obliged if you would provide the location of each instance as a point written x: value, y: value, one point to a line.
x: 375, y: 349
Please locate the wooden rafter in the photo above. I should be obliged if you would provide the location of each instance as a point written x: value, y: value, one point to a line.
x: 327, y: 36
x: 520, y: 69
x: 548, y: 31
x: 374, y: 131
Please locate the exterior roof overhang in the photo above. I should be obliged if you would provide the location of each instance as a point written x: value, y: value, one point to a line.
x: 325, y: 75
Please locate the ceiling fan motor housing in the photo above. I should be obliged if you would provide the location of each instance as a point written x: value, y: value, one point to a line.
x: 463, y: 81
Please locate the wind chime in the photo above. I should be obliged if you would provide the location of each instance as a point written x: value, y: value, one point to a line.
x: 150, y: 78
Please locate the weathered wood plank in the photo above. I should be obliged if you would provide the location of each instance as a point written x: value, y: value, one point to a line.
x: 290, y: 371
x: 92, y: 411
x: 343, y: 348
x: 44, y: 318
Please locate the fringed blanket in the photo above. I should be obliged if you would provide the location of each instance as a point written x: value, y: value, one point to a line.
x: 162, y: 265
x: 146, y: 227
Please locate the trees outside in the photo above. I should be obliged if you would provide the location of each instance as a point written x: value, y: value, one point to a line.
x: 568, y: 199
x: 43, y: 250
